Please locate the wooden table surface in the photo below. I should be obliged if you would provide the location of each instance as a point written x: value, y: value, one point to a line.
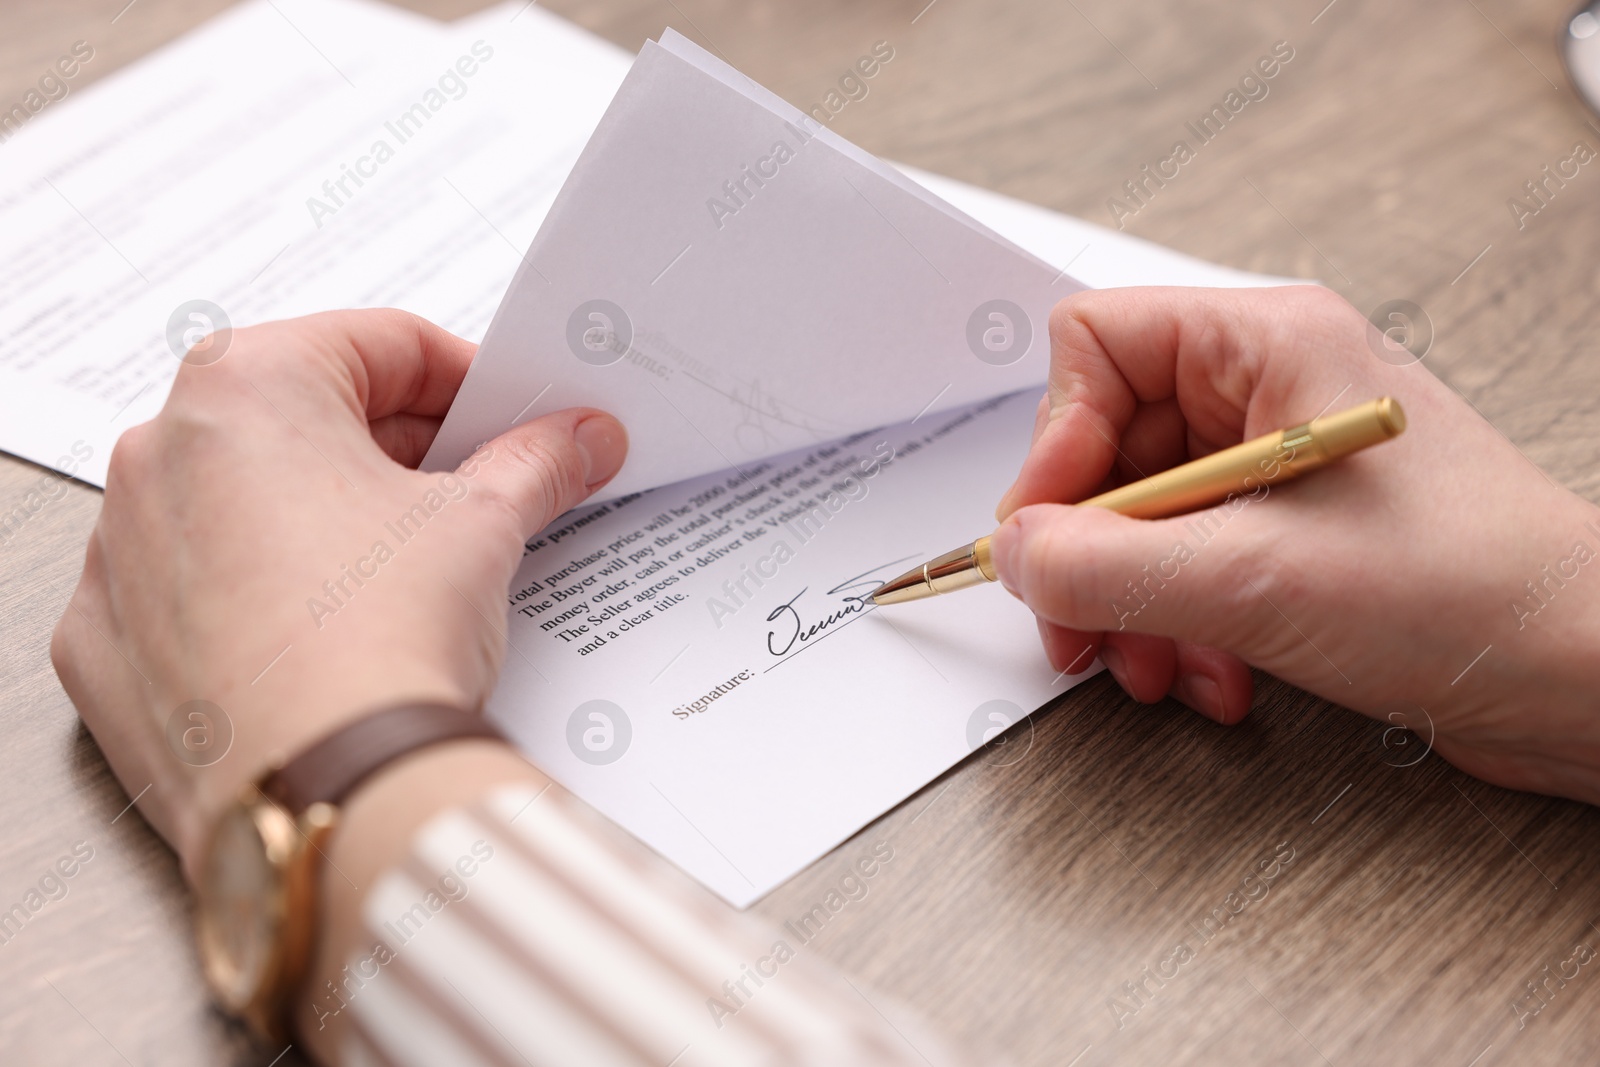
x: 1032, y: 882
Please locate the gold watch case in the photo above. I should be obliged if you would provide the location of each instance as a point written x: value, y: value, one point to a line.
x: 258, y: 906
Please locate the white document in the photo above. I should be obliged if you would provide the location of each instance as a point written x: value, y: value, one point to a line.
x: 702, y: 662
x: 729, y: 282
x: 732, y: 280
x: 112, y: 198
x: 242, y: 166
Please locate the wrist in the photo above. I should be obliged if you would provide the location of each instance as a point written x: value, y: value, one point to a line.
x: 376, y: 827
x: 265, y: 862
x: 277, y: 718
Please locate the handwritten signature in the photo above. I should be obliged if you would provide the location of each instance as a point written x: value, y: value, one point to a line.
x: 789, y: 628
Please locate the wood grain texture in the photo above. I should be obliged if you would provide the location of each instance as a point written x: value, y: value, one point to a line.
x: 1030, y: 883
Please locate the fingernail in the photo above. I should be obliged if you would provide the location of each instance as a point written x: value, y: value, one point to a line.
x: 1003, y: 546
x: 1204, y: 695
x: 1116, y: 665
x: 603, y: 444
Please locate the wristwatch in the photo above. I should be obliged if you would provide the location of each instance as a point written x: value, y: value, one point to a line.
x: 258, y: 901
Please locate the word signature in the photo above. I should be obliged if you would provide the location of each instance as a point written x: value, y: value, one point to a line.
x: 788, y: 628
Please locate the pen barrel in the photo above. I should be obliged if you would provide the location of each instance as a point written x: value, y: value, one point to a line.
x: 959, y: 568
x: 983, y: 558
x: 1246, y: 468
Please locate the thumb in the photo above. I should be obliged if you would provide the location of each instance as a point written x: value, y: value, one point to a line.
x: 1092, y: 570
x: 548, y: 466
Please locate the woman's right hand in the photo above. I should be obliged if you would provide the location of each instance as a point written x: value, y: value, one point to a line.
x: 1437, y: 578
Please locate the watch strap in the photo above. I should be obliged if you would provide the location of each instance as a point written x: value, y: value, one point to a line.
x: 331, y: 767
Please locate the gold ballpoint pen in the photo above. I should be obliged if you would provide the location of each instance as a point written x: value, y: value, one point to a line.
x: 1266, y: 460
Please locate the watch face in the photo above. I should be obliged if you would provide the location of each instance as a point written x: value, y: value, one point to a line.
x: 242, y: 901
